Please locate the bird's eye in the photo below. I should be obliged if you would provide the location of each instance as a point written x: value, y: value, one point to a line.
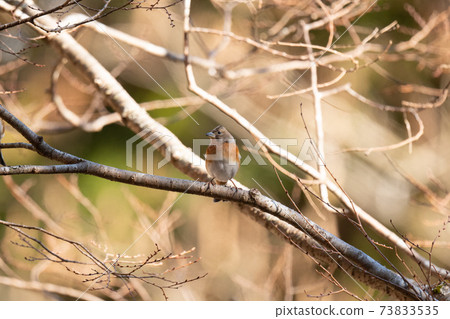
x: 219, y: 132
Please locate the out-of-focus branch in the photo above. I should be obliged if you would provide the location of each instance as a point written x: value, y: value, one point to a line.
x: 435, y: 20
x: 26, y: 201
x: 48, y: 288
x: 145, y: 46
x: 300, y: 62
x: 318, y: 117
x: 406, y: 141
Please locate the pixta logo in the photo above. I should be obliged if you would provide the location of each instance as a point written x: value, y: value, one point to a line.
x: 140, y: 151
x: 146, y: 143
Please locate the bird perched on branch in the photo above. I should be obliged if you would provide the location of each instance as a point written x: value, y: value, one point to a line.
x: 222, y: 156
x: 2, y: 132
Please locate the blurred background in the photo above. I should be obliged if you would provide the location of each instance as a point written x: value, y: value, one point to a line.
x: 241, y: 259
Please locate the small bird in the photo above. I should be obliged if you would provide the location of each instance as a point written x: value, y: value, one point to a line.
x: 222, y: 156
x: 2, y: 132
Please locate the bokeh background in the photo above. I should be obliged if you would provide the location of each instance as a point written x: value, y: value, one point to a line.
x: 242, y: 260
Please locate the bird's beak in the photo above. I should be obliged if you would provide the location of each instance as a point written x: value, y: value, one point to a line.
x: 210, y: 134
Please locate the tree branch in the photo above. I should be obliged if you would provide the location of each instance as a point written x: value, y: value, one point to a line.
x: 253, y: 200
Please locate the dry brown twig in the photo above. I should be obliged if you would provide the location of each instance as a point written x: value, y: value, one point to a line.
x: 102, y: 274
